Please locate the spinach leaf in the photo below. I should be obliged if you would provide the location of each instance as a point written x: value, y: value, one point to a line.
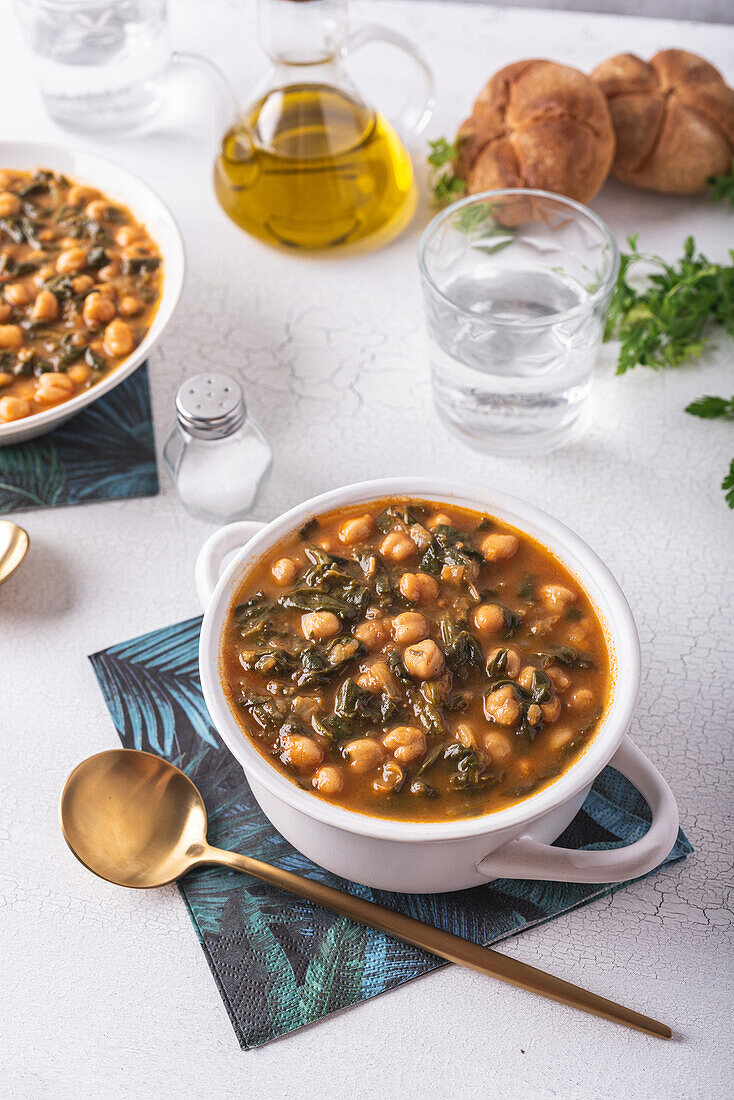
x: 565, y: 655
x: 320, y: 663
x: 462, y: 651
x: 263, y: 709
x: 255, y: 617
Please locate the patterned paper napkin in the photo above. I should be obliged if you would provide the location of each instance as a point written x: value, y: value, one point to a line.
x: 104, y: 452
x: 281, y: 963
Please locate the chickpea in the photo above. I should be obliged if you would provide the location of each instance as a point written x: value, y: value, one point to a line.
x: 406, y: 743
x: 82, y: 283
x: 378, y: 678
x: 498, y: 747
x: 581, y: 699
x: 300, y: 751
x: 45, y: 307
x: 72, y: 261
x: 14, y: 408
x: 489, y: 618
x: 320, y: 625
x: 326, y: 544
x: 512, y: 666
x: 5, y: 378
x: 5, y: 312
x: 9, y: 204
x: 502, y: 707
x: 558, y: 678
x: 47, y: 271
x: 439, y: 520
x: 525, y: 679
x: 328, y: 780
x: 127, y: 234
x: 371, y: 634
x: 397, y: 546
x: 129, y: 306
x: 284, y: 570
x: 551, y: 709
x: 79, y: 373
x: 497, y: 547
x: 79, y: 194
x: 18, y: 294
x: 118, y: 339
x: 557, y: 596
x: 108, y: 272
x: 559, y: 738
x: 97, y: 209
x: 356, y: 530
x: 11, y: 336
x: 424, y: 660
x: 98, y: 310
x: 392, y: 775
x: 409, y: 627
x: 364, y: 755
x: 52, y: 388
x: 579, y: 633
x: 466, y: 735
x: 535, y: 714
x: 419, y: 586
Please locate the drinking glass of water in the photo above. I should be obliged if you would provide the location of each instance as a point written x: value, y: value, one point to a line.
x: 516, y: 287
x: 99, y: 62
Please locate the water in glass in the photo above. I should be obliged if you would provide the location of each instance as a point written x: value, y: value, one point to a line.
x: 98, y: 63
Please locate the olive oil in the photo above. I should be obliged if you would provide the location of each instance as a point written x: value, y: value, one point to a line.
x: 313, y: 167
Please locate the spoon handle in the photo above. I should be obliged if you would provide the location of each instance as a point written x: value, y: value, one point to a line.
x: 444, y: 944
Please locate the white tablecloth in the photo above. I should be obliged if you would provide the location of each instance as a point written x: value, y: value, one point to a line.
x: 107, y: 992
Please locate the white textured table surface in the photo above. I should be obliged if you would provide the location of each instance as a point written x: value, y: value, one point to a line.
x: 107, y: 992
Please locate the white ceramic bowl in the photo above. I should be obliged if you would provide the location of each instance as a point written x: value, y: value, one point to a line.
x: 121, y: 186
x: 436, y: 856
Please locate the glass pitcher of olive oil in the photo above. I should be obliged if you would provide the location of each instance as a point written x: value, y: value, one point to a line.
x: 309, y: 164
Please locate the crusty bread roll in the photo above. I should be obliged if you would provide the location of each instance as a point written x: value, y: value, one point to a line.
x: 537, y: 124
x: 673, y: 117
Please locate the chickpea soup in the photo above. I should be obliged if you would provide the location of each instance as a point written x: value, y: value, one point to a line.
x: 80, y: 281
x: 415, y: 661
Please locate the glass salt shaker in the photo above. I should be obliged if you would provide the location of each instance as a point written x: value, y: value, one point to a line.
x: 216, y: 454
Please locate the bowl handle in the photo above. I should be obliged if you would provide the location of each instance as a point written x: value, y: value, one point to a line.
x: 527, y: 858
x: 217, y: 553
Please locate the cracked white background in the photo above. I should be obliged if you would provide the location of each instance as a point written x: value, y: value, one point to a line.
x: 107, y: 993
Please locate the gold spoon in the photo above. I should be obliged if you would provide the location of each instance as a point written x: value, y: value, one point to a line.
x: 136, y: 820
x: 14, y: 543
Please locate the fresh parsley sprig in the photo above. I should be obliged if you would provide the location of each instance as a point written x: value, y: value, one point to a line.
x: 666, y: 323
x: 445, y: 184
x: 722, y: 187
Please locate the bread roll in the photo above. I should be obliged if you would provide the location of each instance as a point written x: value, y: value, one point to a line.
x: 537, y: 124
x: 673, y: 117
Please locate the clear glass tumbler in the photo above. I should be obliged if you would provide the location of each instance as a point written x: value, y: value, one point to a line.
x: 516, y: 287
x: 99, y: 62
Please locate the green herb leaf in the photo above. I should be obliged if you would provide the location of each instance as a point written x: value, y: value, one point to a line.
x: 722, y: 187
x: 667, y: 321
x: 728, y: 485
x: 712, y: 408
x: 445, y: 184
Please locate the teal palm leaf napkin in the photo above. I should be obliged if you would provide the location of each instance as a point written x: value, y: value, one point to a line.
x: 279, y: 962
x: 105, y: 452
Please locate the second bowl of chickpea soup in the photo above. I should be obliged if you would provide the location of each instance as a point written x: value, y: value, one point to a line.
x: 421, y: 682
x: 91, y: 270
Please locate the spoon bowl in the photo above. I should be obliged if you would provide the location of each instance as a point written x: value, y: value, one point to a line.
x: 14, y: 543
x: 132, y: 818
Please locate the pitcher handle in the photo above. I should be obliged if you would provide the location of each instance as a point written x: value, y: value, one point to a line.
x: 413, y: 118
x: 217, y: 554
x: 527, y: 858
